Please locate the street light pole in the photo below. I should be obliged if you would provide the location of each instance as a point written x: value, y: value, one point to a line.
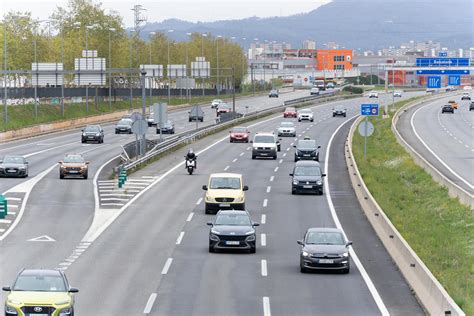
x: 5, y: 91
x: 151, y: 34
x: 187, y: 78
x: 217, y: 81
x: 111, y: 29
x: 202, y: 55
x: 130, y: 73
x: 36, y: 74
x: 168, y: 72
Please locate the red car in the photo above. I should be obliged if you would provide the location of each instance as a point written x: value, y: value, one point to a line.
x: 223, y: 108
x: 239, y: 134
x: 290, y: 112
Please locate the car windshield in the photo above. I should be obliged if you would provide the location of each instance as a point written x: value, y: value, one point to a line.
x: 49, y: 283
x: 324, y: 238
x: 239, y: 130
x: 125, y: 122
x: 307, y: 171
x: 94, y: 129
x: 217, y: 101
x: 18, y: 160
x: 306, y: 144
x: 264, y: 139
x: 290, y: 110
x: 339, y: 108
x: 225, y: 183
x: 287, y: 124
x: 233, y: 220
x: 306, y: 111
x: 74, y: 159
x: 168, y: 123
x: 274, y: 91
x: 224, y: 106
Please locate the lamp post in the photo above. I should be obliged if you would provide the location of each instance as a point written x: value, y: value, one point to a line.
x: 217, y: 81
x: 111, y: 29
x: 187, y: 78
x: 253, y: 67
x: 151, y: 34
x: 88, y: 27
x: 202, y: 55
x: 5, y: 91
x: 130, y: 72
x: 169, y: 68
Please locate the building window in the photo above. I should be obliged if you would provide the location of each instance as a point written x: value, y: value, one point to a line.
x: 338, y: 58
x: 338, y: 67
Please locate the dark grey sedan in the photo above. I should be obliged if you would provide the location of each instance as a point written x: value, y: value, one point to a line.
x: 307, y: 178
x: 167, y: 128
x: 124, y: 126
x: 13, y: 166
x: 324, y: 248
x: 232, y: 230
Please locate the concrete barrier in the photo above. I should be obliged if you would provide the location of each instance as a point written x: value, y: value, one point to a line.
x: 428, y: 290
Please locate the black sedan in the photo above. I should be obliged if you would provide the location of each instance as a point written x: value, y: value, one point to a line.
x: 232, y: 230
x: 447, y: 108
x: 471, y: 107
x: 324, y: 248
x: 339, y: 110
x: 124, y: 126
x: 167, y: 128
x: 307, y: 178
x: 93, y: 133
x: 13, y: 166
x: 306, y: 149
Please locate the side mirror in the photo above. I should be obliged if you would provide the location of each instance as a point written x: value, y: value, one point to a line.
x: 6, y: 289
x: 82, y: 130
x: 294, y: 146
x: 251, y: 141
x: 204, y: 187
x: 300, y: 242
x: 245, y: 188
x: 60, y: 162
x: 319, y: 147
x: 323, y: 175
x: 209, y: 224
x: 26, y: 162
x: 255, y: 224
x: 349, y: 243
x: 88, y: 162
x: 291, y: 174
x: 73, y: 290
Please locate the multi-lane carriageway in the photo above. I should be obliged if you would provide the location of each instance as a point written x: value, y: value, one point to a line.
x: 153, y: 257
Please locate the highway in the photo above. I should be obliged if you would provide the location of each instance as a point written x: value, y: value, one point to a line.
x: 153, y: 258
x: 445, y: 140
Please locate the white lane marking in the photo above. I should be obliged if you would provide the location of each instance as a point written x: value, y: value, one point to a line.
x: 10, y: 206
x: 10, y: 212
x: 264, y: 267
x: 2, y: 230
x: 235, y: 159
x: 114, y: 199
x: 117, y: 194
x: 226, y: 168
x: 199, y: 201
x: 266, y: 306
x: 276, y: 169
x: 284, y: 155
x: 263, y: 219
x: 241, y: 154
x: 112, y: 204
x: 48, y: 149
x: 248, y: 148
x: 355, y: 258
x: 288, y: 149
x: 12, y: 199
x: 299, y: 135
x: 281, y: 161
x: 180, y: 238
x: 42, y: 238
x: 265, y: 202
x: 190, y: 217
x: 263, y: 240
x: 5, y: 221
x: 272, y: 178
x: 167, y: 266
x: 433, y: 153
x: 304, y: 132
x: 269, y: 189
x: 149, y: 303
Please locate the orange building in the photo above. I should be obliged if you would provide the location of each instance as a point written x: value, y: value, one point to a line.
x: 334, y: 59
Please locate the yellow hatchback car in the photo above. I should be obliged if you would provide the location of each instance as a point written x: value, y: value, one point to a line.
x: 40, y: 292
x: 224, y: 191
x: 454, y: 104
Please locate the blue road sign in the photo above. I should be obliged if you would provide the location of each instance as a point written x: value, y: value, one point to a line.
x: 443, y: 72
x: 369, y: 109
x: 443, y: 54
x: 434, y: 82
x: 442, y: 62
x: 454, y: 80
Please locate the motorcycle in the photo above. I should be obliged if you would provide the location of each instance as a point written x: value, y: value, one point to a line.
x: 190, y: 165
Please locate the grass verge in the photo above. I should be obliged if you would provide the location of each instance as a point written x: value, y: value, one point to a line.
x: 439, y: 228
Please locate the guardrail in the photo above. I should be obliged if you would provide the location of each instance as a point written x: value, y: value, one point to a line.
x: 429, y: 291
x: 191, y: 136
x: 453, y: 189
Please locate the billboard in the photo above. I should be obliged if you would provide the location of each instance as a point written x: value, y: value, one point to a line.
x: 200, y: 68
x: 155, y: 71
x: 176, y: 71
x: 90, y: 71
x: 47, y: 74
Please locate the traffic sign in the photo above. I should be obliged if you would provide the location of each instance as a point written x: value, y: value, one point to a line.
x: 135, y: 116
x: 441, y: 62
x: 443, y: 54
x: 443, y: 72
x: 434, y: 82
x: 454, y: 80
x: 140, y: 127
x: 369, y: 109
x: 366, y: 128
x: 305, y: 79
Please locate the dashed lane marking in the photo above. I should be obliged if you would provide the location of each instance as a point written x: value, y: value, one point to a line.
x: 276, y: 169
x: 264, y: 267
x: 199, y: 201
x: 167, y: 266
x: 190, y: 217
x: 266, y: 306
x: 272, y: 178
x: 263, y: 240
x: 263, y: 219
x: 269, y: 189
x: 265, y: 202
x: 180, y: 238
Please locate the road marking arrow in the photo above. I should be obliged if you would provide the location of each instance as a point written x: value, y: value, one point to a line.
x: 42, y: 238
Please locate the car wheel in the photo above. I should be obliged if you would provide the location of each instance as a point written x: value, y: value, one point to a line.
x: 296, y: 158
x: 206, y: 209
x: 61, y: 176
x: 26, y: 175
x: 211, y: 249
x: 321, y: 192
x: 253, y: 249
x: 346, y: 271
x: 275, y: 157
x: 317, y: 157
x: 230, y: 140
x: 312, y: 120
x: 303, y: 269
x: 344, y: 115
x: 334, y: 115
x: 85, y: 176
x: 293, y: 191
x: 254, y: 157
x: 299, y: 120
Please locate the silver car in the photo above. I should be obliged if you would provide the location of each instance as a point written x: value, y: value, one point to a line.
x: 287, y: 129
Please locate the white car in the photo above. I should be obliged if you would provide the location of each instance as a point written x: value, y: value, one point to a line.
x: 397, y: 94
x: 215, y: 103
x: 314, y: 91
x: 373, y: 94
x: 150, y: 120
x: 467, y: 88
x: 287, y: 129
x: 265, y: 145
x: 466, y: 96
x: 305, y: 115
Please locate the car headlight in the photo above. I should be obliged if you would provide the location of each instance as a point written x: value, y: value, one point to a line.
x: 240, y: 198
x: 97, y: 134
x: 295, y: 182
x: 83, y: 134
x: 63, y: 302
x: 22, y: 168
x: 319, y: 182
x: 10, y: 310
x: 65, y: 311
x: 305, y: 254
x: 250, y: 238
x: 209, y: 199
x: 213, y: 237
x: 345, y: 254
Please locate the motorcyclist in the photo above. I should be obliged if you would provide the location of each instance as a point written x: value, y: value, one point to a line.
x: 191, y: 156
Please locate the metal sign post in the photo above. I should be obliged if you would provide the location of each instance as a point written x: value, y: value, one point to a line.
x: 366, y: 128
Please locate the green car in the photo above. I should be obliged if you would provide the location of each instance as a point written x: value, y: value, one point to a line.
x: 40, y: 292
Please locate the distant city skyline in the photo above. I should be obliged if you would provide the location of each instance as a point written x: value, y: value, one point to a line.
x: 187, y: 10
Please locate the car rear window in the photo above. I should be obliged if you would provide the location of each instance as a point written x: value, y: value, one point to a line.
x: 239, y: 130
x: 290, y: 110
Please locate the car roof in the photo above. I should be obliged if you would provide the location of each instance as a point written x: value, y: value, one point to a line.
x: 308, y: 163
x: 226, y: 175
x: 306, y: 110
x: 233, y: 212
x: 41, y: 272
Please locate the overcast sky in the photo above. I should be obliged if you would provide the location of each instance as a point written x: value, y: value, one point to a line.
x: 189, y: 10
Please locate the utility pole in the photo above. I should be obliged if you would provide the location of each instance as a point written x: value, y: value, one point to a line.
x: 5, y: 64
x: 111, y: 29
x: 151, y: 34
x: 217, y: 81
x: 233, y: 89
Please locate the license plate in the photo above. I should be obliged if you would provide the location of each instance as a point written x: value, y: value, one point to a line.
x: 326, y: 261
x: 90, y: 137
x: 37, y: 315
x: 224, y: 205
x: 263, y: 154
x: 307, y: 186
x: 232, y: 243
x: 306, y: 155
x: 73, y: 171
x: 11, y: 171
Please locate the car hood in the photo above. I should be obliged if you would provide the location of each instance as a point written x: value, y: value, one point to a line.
x: 233, y: 230
x: 306, y: 149
x: 264, y: 145
x: 307, y: 178
x: 282, y: 128
x: 239, y: 134
x: 123, y: 125
x: 73, y: 165
x: 39, y: 298
x: 339, y: 249
x: 224, y: 193
x: 11, y: 165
